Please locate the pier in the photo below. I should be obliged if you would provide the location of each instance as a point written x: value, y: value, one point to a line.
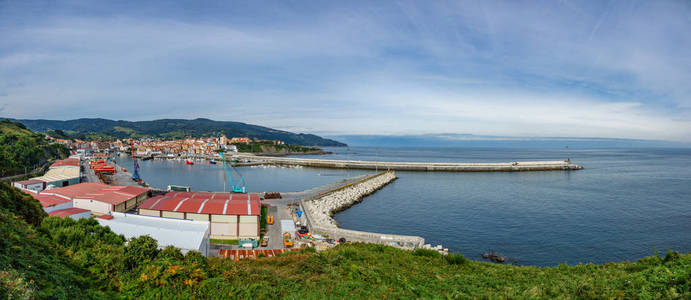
x: 319, y: 209
x: 516, y: 166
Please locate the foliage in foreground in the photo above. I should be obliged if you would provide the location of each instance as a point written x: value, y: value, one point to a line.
x: 20, y: 148
x: 63, y: 258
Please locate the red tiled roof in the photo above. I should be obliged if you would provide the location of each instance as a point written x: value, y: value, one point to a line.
x: 48, y: 200
x: 72, y: 162
x: 63, y: 213
x: 112, y: 194
x: 206, y: 203
x: 29, y: 182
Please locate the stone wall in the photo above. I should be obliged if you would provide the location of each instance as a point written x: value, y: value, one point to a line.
x: 320, y: 209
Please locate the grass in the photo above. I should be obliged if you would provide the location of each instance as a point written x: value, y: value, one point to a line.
x: 225, y: 242
x: 356, y: 271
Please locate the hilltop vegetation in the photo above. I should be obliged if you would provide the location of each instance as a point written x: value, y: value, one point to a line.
x: 65, y: 259
x: 172, y: 129
x: 268, y: 148
x: 20, y: 148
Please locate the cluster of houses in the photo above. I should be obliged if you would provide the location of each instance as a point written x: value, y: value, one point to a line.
x: 148, y: 147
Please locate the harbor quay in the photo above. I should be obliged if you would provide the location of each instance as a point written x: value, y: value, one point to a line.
x: 565, y: 165
x: 319, y: 209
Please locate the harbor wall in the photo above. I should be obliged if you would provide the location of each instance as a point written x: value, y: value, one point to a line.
x: 319, y: 210
x: 416, y: 166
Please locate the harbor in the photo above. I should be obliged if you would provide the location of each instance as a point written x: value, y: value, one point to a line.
x: 313, y: 208
x: 475, y: 213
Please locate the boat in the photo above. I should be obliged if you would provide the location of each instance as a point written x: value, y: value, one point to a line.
x: 213, y: 162
x: 189, y: 162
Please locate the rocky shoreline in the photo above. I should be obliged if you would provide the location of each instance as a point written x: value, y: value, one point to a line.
x: 318, y: 213
x: 322, y: 209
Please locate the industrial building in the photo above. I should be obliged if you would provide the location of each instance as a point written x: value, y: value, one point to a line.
x: 74, y: 213
x: 101, y: 198
x: 59, y: 206
x: 31, y: 185
x: 231, y: 215
x: 51, y: 202
x: 61, y: 173
x: 184, y: 234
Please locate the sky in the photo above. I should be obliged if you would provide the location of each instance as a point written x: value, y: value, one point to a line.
x: 617, y: 69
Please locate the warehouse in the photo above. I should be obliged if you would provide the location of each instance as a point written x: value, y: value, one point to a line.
x: 231, y: 216
x: 74, y: 213
x: 183, y: 234
x: 101, y: 198
x: 61, y: 173
x: 68, y: 162
x: 32, y: 185
x: 51, y: 202
x: 59, y: 206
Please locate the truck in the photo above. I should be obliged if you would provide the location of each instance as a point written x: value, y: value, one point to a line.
x: 287, y: 241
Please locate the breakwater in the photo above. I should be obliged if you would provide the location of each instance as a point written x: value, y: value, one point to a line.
x: 318, y: 212
x: 560, y: 165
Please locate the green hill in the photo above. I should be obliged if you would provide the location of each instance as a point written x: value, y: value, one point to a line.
x: 20, y: 148
x: 172, y: 129
x: 66, y: 259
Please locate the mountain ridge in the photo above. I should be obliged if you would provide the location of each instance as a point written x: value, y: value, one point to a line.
x: 94, y: 128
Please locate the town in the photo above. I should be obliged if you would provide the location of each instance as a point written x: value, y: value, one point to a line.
x: 147, y: 147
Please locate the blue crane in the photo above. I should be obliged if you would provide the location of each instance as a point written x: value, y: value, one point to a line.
x: 238, y: 187
x: 135, y: 164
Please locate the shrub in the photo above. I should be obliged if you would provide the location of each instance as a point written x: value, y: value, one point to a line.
x: 426, y: 252
x: 196, y: 258
x: 671, y: 256
x: 308, y: 250
x: 171, y: 253
x: 140, y: 250
x: 455, y: 259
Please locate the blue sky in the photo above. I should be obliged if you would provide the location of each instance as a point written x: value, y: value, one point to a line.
x: 511, y: 68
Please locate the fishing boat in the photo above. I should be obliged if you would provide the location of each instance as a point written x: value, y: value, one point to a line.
x: 213, y: 162
x: 189, y: 162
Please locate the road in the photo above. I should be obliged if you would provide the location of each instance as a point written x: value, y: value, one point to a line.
x: 281, y: 211
x: 88, y: 175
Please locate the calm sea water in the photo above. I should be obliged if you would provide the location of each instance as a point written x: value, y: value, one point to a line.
x: 624, y: 204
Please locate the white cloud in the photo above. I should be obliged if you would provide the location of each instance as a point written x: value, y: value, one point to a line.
x: 489, y: 68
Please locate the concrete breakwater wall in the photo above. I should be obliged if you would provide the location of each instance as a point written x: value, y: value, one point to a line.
x: 320, y: 209
x: 559, y: 165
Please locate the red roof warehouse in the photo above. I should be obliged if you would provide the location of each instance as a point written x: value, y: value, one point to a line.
x: 101, y: 198
x: 69, y: 162
x: 231, y: 215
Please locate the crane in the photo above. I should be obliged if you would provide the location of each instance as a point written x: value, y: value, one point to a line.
x: 238, y: 187
x: 135, y: 164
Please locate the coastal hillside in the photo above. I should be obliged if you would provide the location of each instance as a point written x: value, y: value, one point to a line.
x: 20, y: 148
x: 172, y: 129
x: 48, y: 257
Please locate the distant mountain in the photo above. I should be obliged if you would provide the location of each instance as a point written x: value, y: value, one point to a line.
x: 480, y: 141
x: 172, y: 129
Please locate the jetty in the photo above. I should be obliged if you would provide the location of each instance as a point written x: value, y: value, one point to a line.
x: 516, y: 166
x: 319, y: 210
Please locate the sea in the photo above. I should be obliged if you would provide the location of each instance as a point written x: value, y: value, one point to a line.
x: 627, y: 203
